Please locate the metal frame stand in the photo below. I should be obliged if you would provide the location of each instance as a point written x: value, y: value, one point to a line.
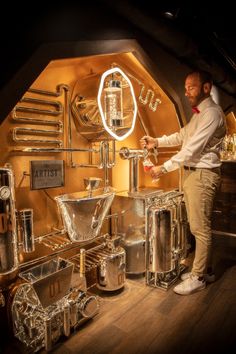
x: 164, y: 280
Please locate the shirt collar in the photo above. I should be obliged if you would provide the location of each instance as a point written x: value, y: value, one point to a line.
x: 205, y: 103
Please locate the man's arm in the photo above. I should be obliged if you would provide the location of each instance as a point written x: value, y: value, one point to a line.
x: 205, y: 130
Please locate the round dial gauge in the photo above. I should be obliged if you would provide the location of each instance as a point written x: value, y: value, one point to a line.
x: 4, y: 192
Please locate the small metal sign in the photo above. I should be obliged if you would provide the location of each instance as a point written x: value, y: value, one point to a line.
x: 46, y: 174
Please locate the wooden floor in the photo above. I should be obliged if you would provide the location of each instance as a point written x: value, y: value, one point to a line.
x: 140, y: 319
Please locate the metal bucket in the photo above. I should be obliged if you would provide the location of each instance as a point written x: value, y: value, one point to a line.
x: 82, y: 214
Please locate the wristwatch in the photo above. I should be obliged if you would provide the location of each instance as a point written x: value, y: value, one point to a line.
x: 163, y: 169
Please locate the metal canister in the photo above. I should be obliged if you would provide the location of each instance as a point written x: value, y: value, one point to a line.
x: 111, y: 270
x: 26, y: 228
x: 134, y: 244
x: 162, y: 238
x: 8, y: 233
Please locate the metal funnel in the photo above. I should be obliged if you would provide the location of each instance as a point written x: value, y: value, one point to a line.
x: 83, y: 215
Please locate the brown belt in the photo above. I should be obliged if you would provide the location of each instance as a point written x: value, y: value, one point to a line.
x: 191, y: 168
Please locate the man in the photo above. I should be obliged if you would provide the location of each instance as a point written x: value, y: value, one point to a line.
x: 200, y: 158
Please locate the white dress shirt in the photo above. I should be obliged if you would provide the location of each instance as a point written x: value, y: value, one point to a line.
x: 201, y: 138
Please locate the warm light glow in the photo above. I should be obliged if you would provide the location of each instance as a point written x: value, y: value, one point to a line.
x: 215, y: 94
x: 100, y: 91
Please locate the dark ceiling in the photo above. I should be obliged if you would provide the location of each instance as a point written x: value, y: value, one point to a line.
x: 200, y: 34
x: 211, y: 26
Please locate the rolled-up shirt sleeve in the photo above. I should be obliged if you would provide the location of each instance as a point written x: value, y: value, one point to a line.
x: 195, y: 144
x: 171, y: 140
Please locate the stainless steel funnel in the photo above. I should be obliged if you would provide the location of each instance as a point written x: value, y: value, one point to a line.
x: 82, y: 214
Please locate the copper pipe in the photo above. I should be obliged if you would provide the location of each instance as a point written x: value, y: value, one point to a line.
x: 58, y: 110
x: 54, y: 150
x: 49, y: 93
x: 31, y: 120
x: 35, y: 131
x: 56, y: 104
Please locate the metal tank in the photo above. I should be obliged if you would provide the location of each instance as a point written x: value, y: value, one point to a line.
x: 131, y: 225
x: 134, y: 245
x: 166, y: 240
x: 162, y: 231
x: 8, y: 233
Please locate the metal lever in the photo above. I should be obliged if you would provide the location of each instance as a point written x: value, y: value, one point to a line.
x: 154, y: 153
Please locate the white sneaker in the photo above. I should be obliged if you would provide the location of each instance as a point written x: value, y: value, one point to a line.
x: 190, y: 285
x: 209, y: 278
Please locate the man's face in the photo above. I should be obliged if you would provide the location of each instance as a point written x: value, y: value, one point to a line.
x: 195, y: 91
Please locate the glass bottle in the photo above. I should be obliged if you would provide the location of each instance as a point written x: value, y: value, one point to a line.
x: 223, y: 148
x: 114, y: 104
x: 230, y: 147
x: 234, y: 142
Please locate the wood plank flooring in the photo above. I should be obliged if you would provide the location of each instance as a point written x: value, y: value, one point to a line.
x: 141, y: 319
x: 145, y: 320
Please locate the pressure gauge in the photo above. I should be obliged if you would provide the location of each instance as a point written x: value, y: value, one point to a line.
x: 5, y: 192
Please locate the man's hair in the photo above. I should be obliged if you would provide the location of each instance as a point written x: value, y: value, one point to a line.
x: 204, y: 76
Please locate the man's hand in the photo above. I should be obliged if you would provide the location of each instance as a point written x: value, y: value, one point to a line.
x: 157, y: 171
x: 148, y: 142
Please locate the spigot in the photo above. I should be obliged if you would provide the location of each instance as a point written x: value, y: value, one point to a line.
x: 127, y: 153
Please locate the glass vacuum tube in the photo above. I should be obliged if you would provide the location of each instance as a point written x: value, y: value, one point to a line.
x: 113, y: 104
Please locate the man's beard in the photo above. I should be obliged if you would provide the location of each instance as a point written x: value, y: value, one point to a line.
x: 199, y: 98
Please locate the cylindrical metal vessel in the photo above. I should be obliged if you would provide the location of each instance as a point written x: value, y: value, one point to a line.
x: 133, y: 174
x: 134, y: 245
x: 133, y: 156
x: 162, y: 238
x: 26, y: 228
x: 111, y: 270
x: 8, y: 233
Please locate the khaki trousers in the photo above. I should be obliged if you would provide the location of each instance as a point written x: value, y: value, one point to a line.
x: 199, y: 189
